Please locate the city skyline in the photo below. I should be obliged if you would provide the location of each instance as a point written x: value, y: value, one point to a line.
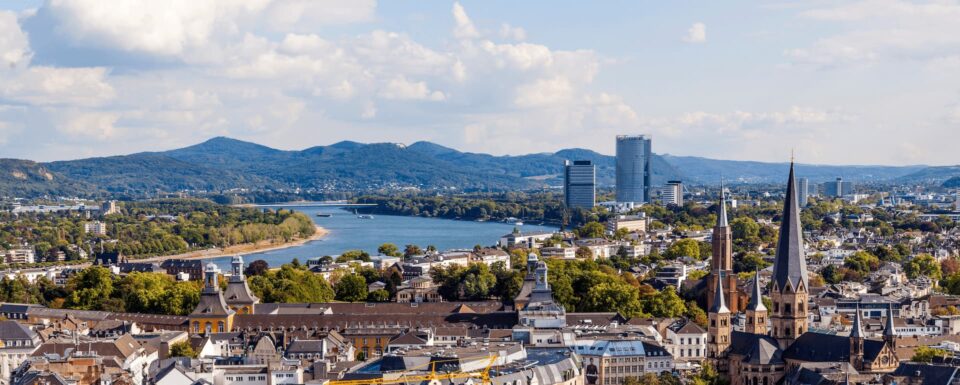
x: 82, y: 80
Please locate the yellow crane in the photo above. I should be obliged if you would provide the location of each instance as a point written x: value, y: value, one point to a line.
x: 411, y: 377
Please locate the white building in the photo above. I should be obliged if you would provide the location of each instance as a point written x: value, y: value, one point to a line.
x: 95, y: 228
x: 21, y: 255
x: 686, y: 340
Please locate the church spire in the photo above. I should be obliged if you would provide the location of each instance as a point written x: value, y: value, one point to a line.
x: 856, y: 331
x: 790, y: 266
x: 889, y: 332
x: 719, y: 304
x: 756, y: 298
x: 722, y: 216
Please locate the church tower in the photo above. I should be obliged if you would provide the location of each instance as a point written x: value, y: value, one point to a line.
x: 756, y: 310
x: 212, y: 314
x: 718, y: 331
x: 889, y: 331
x: 722, y: 262
x: 856, y: 342
x: 238, y: 295
x: 788, y: 291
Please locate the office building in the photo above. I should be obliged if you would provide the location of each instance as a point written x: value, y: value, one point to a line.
x: 838, y: 188
x: 109, y: 207
x: 672, y: 193
x: 579, y: 184
x: 803, y: 191
x: 95, y: 228
x: 633, y: 170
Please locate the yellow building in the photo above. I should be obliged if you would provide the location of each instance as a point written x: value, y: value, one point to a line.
x: 212, y: 314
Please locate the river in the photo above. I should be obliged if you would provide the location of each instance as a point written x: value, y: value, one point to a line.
x: 347, y: 232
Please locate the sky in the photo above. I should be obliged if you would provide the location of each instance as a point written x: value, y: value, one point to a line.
x: 852, y: 82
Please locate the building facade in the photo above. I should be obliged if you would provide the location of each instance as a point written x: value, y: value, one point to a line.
x: 672, y: 193
x: 579, y: 184
x: 633, y: 169
x: 803, y: 191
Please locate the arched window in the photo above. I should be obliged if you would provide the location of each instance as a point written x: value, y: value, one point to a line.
x: 196, y: 327
x: 219, y: 326
x: 208, y: 327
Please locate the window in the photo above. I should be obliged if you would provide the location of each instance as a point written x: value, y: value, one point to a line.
x: 220, y: 327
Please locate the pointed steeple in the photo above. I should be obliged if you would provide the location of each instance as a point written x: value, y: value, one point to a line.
x: 790, y: 266
x: 719, y: 304
x: 722, y: 216
x: 756, y: 298
x: 889, y: 331
x: 856, y: 331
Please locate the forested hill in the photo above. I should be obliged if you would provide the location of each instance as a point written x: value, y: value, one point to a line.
x: 223, y: 163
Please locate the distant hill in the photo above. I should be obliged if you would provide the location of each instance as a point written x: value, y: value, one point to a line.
x: 931, y: 175
x: 953, y: 182
x: 28, y: 178
x: 708, y: 171
x: 223, y: 163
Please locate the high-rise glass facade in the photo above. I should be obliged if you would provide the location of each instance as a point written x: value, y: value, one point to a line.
x: 579, y: 184
x: 633, y: 169
x: 803, y: 191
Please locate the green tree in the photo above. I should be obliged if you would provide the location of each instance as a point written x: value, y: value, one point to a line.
x: 411, y: 250
x: 351, y: 288
x: 182, y: 349
x: 927, y: 354
x: 923, y: 264
x: 379, y: 295
x: 89, y: 288
x: 258, y: 267
x: 389, y: 249
x: 745, y: 230
x: 684, y: 248
x: 591, y: 230
x: 666, y: 303
x: 612, y: 296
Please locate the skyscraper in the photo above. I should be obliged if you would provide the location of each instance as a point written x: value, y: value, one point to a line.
x: 672, y: 193
x: 838, y: 188
x: 633, y: 169
x: 803, y: 191
x: 579, y: 184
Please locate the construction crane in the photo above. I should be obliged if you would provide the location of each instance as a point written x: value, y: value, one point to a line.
x: 410, y: 377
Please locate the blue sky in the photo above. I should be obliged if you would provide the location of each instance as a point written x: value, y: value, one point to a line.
x: 853, y: 82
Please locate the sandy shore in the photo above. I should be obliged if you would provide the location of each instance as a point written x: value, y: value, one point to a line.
x: 243, y: 249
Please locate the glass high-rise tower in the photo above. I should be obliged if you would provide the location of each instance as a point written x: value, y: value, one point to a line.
x: 633, y: 169
x: 579, y: 184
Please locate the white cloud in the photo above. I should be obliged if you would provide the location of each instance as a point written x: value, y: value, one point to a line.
x: 14, y: 47
x: 696, y: 34
x: 58, y: 86
x: 464, y: 26
x: 166, y: 28
x: 289, y: 15
x: 510, y: 32
x: 400, y: 88
x: 544, y: 92
x: 874, y: 31
x: 95, y: 125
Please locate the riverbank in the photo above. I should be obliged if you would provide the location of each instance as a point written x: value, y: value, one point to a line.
x: 247, y: 248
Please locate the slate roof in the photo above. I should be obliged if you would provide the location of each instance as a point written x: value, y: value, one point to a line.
x: 932, y: 374
x: 790, y: 266
x: 755, y: 349
x: 719, y: 303
x: 211, y: 303
x: 756, y: 296
x: 238, y: 292
x: 13, y: 330
x: 819, y: 347
x: 305, y: 346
